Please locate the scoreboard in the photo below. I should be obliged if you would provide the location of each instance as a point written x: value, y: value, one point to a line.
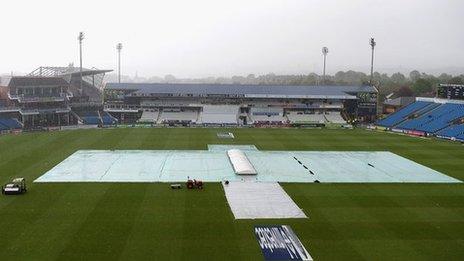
x: 451, y: 91
x: 367, y: 99
x: 367, y: 103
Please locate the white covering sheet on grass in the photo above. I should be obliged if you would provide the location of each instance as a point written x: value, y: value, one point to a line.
x: 240, y: 162
x: 254, y: 200
x: 213, y: 165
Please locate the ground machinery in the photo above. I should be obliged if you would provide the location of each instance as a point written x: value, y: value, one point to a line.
x: 15, y: 187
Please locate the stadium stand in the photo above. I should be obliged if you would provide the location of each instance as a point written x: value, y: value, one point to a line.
x: 87, y: 88
x: 305, y: 117
x: 53, y: 97
x: 9, y: 124
x: 428, y: 108
x: 334, y: 117
x: 166, y: 103
x: 429, y: 116
x: 453, y: 131
x: 268, y: 119
x: 90, y: 117
x: 149, y: 116
x: 90, y: 120
x: 107, y: 119
x: 219, y: 114
x: 267, y: 115
x: 178, y: 116
x: 239, y: 103
x: 435, y: 119
x: 402, y: 114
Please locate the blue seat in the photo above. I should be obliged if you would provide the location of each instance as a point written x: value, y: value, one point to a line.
x: 436, y: 119
x: 3, y: 127
x: 107, y: 119
x: 401, y: 115
x: 455, y: 131
x: 9, y: 124
x: 91, y: 120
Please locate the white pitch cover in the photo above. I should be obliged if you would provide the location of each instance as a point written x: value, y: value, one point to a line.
x: 251, y: 200
x: 240, y: 162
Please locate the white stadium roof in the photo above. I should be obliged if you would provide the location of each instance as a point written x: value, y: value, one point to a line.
x: 241, y: 90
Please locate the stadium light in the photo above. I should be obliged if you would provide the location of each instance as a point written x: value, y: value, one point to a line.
x: 372, y: 43
x: 119, y: 48
x: 80, y: 38
x: 325, y: 51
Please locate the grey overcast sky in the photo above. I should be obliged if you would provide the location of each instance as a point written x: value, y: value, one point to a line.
x: 196, y: 38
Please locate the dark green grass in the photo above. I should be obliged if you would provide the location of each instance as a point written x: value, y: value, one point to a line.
x: 108, y: 221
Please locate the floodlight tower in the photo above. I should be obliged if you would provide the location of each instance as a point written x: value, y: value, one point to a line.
x: 372, y: 43
x: 325, y: 51
x: 119, y: 48
x: 80, y: 38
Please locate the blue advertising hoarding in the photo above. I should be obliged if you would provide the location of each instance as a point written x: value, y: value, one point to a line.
x: 279, y: 242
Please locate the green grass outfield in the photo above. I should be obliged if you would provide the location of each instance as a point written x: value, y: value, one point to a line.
x: 109, y: 221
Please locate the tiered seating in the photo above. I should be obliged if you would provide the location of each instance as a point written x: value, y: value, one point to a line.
x: 301, y: 117
x: 268, y: 119
x: 178, y: 116
x: 267, y: 115
x: 166, y: 103
x: 266, y: 110
x: 90, y: 118
x: 334, y: 117
x: 454, y: 111
x: 149, y: 115
x: 436, y: 119
x: 9, y: 124
x: 426, y: 109
x: 107, y: 119
x: 456, y: 131
x: 403, y: 114
x: 219, y: 114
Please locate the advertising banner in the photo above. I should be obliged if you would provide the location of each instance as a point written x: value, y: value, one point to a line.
x: 416, y: 133
x: 279, y: 242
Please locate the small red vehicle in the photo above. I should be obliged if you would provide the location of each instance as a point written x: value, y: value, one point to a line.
x: 192, y: 184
